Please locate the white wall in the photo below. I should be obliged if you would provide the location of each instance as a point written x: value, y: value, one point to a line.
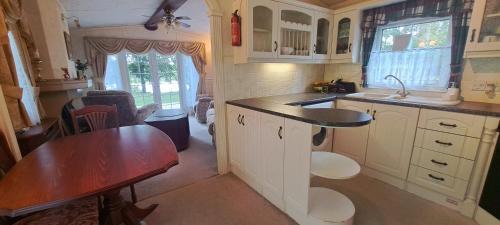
x: 48, y: 25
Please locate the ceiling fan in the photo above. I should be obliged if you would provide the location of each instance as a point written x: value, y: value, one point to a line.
x: 165, y: 14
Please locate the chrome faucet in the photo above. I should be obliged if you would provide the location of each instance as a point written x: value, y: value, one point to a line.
x: 402, y: 93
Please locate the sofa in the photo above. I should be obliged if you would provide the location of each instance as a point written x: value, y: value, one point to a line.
x: 128, y: 113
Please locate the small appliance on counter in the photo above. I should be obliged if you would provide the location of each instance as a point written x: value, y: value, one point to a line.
x: 335, y: 86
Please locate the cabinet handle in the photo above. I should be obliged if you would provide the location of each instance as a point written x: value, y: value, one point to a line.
x: 435, y: 178
x: 275, y: 46
x: 314, y: 48
x: 473, y: 35
x: 443, y: 143
x: 279, y: 132
x: 439, y: 163
x: 373, y: 115
x: 350, y: 47
x: 239, y: 118
x: 243, y: 120
x: 447, y: 125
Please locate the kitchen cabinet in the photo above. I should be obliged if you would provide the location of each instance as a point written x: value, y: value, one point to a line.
x: 386, y: 144
x: 352, y: 142
x: 346, y: 37
x: 283, y: 31
x: 484, y: 30
x: 391, y: 136
x: 272, y: 145
x: 244, y: 152
x: 323, y: 26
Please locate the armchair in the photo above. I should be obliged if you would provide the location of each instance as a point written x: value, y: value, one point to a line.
x: 200, y: 108
x: 128, y: 114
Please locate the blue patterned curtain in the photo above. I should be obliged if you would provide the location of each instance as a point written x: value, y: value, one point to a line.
x: 459, y: 10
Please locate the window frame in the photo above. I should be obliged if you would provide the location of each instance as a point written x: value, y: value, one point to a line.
x: 377, y: 45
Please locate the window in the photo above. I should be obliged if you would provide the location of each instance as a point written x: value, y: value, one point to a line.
x: 153, y: 78
x: 416, y: 51
x: 28, y: 98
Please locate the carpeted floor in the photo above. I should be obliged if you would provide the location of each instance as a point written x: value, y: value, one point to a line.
x: 197, y: 162
x: 226, y: 200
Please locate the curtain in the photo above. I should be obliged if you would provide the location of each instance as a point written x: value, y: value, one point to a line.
x: 188, y: 82
x: 113, y: 79
x: 28, y: 96
x: 459, y: 10
x: 97, y: 50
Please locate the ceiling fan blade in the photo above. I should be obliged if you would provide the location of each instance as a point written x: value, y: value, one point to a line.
x: 183, y: 18
x: 185, y: 25
x: 166, y: 5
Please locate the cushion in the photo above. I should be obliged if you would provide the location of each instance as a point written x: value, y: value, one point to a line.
x: 80, y: 212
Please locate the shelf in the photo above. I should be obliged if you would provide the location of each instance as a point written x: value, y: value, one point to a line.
x: 333, y: 166
x: 493, y: 15
x: 330, y: 207
x: 54, y: 85
x: 260, y: 30
x: 295, y: 26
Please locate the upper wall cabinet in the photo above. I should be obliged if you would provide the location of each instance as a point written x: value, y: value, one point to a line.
x: 346, y: 37
x: 484, y: 31
x: 283, y: 31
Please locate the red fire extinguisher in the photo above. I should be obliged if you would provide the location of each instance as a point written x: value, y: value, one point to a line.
x: 236, y: 29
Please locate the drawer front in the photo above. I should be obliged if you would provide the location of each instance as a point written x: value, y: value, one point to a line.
x: 438, y: 182
x: 455, y: 123
x: 436, y: 161
x: 450, y: 144
x: 443, y: 142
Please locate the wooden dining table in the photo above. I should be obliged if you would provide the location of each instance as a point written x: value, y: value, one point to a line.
x: 100, y: 163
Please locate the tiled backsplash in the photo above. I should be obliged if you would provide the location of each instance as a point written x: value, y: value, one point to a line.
x: 267, y: 79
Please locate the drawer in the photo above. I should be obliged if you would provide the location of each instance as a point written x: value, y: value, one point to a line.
x: 450, y: 165
x: 439, y: 182
x: 450, y: 122
x: 451, y: 144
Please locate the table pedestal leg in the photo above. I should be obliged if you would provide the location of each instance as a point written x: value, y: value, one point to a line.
x: 117, y: 211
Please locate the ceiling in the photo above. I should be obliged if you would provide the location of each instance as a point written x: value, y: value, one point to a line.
x: 335, y: 4
x: 105, y: 13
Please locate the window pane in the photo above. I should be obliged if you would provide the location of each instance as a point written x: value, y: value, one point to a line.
x: 139, y: 72
x: 169, y: 82
x: 113, y: 79
x: 431, y: 35
x: 396, y: 39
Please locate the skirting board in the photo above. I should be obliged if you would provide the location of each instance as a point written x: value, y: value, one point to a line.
x: 484, y: 218
x: 394, y: 181
x: 434, y: 196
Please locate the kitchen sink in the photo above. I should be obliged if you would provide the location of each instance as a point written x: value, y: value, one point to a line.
x: 409, y: 98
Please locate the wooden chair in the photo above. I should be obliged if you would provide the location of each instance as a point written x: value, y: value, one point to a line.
x: 98, y: 117
x: 82, y: 211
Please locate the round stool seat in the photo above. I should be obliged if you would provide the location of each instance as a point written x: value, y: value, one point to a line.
x: 330, y: 207
x: 333, y: 166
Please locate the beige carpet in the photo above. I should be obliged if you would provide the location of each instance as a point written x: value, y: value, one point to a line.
x: 226, y: 200
x: 196, y: 163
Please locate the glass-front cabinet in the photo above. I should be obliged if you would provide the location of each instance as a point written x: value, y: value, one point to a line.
x: 322, y: 44
x: 347, y: 37
x: 296, y: 31
x: 484, y: 31
x: 262, y: 40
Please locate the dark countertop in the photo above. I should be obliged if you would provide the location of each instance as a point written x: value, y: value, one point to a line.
x: 287, y: 106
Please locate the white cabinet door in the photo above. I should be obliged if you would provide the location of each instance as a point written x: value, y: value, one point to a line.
x: 391, y: 136
x: 295, y: 32
x: 272, y: 145
x: 346, y: 37
x: 252, y: 153
x: 351, y: 142
x: 484, y: 31
x: 323, y: 26
x: 262, y: 28
x: 235, y: 135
